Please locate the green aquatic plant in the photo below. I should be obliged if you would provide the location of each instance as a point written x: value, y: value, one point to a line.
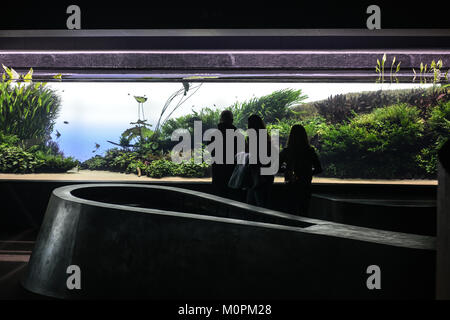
x: 341, y: 107
x: 278, y: 105
x: 312, y: 126
x: 27, y: 115
x: 95, y: 163
x: 393, y: 75
x: 380, y: 68
x: 54, y: 163
x: 141, y: 101
x: 434, y: 72
x: 161, y: 168
x: 140, y: 137
x: 28, y: 110
x: 182, y: 94
x: 394, y: 69
x: 380, y: 144
x: 422, y: 73
x: 140, y: 133
x: 15, y: 76
x: 189, y: 169
x: 14, y: 159
x: 438, y: 132
x: 12, y: 75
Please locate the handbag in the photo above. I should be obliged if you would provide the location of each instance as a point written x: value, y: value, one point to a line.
x: 290, y: 176
x: 241, y: 177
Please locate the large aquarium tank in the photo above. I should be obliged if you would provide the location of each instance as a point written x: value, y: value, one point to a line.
x: 122, y: 130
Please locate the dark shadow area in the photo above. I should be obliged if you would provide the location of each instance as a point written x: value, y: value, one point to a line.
x: 135, y: 252
x: 15, y: 251
x: 179, y: 202
x: 410, y: 214
x: 24, y: 204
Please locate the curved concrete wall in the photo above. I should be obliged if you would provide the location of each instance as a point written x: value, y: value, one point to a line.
x: 150, y: 241
x: 24, y: 203
x: 410, y: 214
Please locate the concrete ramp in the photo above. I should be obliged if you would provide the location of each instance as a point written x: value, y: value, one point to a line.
x: 159, y: 242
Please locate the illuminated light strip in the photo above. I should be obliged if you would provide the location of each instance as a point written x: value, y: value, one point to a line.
x: 14, y: 258
x: 347, y: 32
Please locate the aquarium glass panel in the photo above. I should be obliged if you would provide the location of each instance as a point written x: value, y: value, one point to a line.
x: 123, y: 130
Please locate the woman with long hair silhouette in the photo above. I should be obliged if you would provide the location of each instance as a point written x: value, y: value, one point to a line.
x: 258, y: 193
x: 301, y: 163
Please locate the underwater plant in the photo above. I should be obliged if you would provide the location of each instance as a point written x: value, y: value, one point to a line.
x: 140, y: 101
x: 27, y: 116
x: 27, y: 110
x: 182, y: 93
x: 134, y: 136
x: 379, y: 69
x: 433, y: 71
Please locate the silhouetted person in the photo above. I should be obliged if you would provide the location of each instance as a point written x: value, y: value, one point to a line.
x: 221, y: 173
x: 258, y: 193
x: 444, y: 155
x: 301, y: 164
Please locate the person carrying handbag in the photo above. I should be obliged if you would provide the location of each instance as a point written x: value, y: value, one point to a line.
x: 241, y: 177
x: 259, y: 190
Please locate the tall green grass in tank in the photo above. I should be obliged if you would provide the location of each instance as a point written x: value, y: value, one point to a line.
x: 27, y: 115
